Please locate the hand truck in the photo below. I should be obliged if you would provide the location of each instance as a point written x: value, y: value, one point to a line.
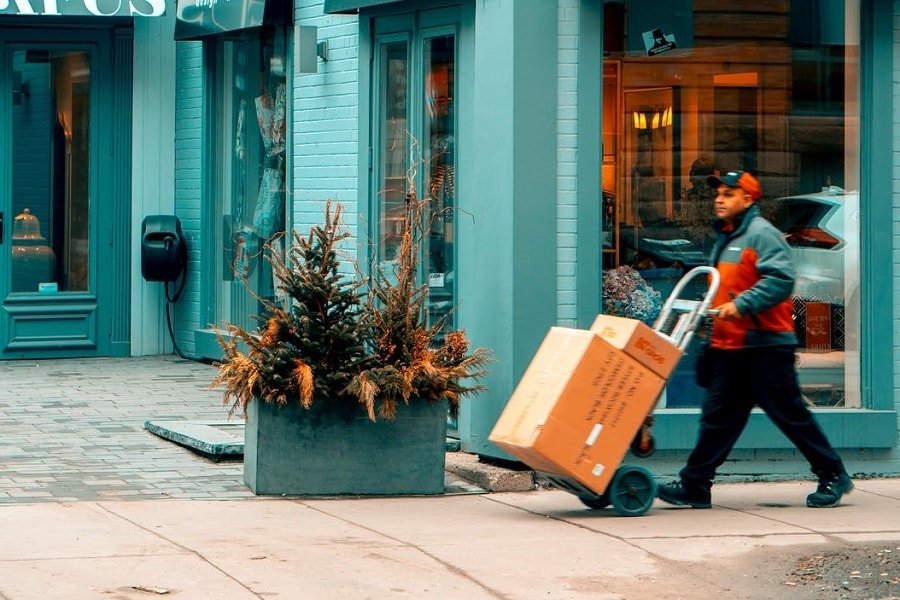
x: 632, y: 489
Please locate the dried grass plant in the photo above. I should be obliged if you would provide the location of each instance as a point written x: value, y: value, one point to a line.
x: 346, y: 340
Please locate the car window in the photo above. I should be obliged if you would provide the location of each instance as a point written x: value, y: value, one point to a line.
x: 805, y: 222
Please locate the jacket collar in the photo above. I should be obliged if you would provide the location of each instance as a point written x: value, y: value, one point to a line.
x: 740, y: 222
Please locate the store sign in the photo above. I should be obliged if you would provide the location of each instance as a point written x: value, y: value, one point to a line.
x: 198, y: 18
x: 657, y: 42
x: 84, y: 8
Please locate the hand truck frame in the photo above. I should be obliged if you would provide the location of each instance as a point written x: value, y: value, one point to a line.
x: 632, y: 489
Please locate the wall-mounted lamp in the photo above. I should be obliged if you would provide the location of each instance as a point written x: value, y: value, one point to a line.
x: 322, y: 50
x: 652, y: 118
x: 307, y: 49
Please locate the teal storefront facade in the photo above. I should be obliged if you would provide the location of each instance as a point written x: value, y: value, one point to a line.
x: 86, y: 152
x: 524, y: 121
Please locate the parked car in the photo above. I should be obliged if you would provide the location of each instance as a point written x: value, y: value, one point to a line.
x: 822, y: 228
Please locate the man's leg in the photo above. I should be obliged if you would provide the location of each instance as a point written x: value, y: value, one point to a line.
x: 779, y: 396
x: 724, y: 416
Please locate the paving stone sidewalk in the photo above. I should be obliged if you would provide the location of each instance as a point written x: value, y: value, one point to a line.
x: 74, y: 430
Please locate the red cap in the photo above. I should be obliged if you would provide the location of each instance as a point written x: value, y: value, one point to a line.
x: 738, y: 179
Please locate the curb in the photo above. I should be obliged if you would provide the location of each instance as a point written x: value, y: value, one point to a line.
x: 492, y: 478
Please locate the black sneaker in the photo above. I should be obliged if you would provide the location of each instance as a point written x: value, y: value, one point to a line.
x: 679, y: 494
x: 830, y: 490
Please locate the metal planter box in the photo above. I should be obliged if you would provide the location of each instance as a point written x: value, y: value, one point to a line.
x: 289, y: 450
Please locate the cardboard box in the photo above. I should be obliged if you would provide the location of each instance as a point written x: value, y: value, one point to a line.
x: 577, y: 407
x: 639, y: 341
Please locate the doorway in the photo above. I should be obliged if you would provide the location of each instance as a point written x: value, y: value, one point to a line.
x: 63, y: 237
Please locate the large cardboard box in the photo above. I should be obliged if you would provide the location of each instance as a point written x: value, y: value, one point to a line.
x: 639, y: 341
x: 577, y: 407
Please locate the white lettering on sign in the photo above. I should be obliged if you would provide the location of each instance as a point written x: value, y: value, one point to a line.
x: 143, y: 8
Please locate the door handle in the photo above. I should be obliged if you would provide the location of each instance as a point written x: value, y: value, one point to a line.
x: 1, y: 226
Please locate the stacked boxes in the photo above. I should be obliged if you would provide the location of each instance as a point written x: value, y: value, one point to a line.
x: 583, y: 398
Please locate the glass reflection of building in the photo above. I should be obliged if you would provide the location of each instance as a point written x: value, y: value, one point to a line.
x: 773, y: 91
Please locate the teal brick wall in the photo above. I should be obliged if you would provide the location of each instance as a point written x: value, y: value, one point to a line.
x: 567, y: 169
x: 188, y: 156
x: 325, y: 123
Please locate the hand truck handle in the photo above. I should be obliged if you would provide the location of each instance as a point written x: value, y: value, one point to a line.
x: 680, y: 330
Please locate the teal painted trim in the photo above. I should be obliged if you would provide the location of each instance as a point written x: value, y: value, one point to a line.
x: 876, y: 218
x: 120, y: 260
x: 352, y: 6
x: 206, y: 345
x: 533, y: 162
x: 365, y: 211
x: 676, y: 429
x: 509, y: 246
x: 588, y: 269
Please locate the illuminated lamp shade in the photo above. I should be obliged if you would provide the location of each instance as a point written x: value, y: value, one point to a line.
x: 640, y: 120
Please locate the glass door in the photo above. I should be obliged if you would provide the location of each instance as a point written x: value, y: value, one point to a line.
x: 416, y: 129
x: 49, y: 250
x: 248, y: 170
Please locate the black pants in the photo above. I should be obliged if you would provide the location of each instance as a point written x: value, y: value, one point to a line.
x: 742, y: 379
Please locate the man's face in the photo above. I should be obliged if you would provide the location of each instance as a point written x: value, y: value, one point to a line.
x: 730, y: 202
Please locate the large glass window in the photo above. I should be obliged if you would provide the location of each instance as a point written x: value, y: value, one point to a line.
x: 416, y: 136
x: 695, y: 88
x: 248, y: 175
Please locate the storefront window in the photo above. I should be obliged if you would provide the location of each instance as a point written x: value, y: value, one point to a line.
x: 697, y: 88
x: 249, y: 169
x: 51, y: 170
x: 416, y: 140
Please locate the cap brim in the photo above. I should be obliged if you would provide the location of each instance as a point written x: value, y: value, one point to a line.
x: 714, y: 181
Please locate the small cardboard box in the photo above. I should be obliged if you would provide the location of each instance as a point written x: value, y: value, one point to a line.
x: 577, y: 407
x: 642, y: 343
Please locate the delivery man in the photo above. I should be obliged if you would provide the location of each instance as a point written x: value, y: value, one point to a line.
x: 751, y: 352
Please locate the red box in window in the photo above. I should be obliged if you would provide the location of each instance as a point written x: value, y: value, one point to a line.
x: 818, y: 326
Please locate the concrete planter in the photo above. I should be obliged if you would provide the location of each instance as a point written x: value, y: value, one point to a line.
x: 289, y: 450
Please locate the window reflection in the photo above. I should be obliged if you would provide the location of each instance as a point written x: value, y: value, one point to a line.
x: 392, y: 184
x: 421, y: 159
x: 249, y: 172
x: 50, y: 170
x: 770, y: 91
x: 440, y: 132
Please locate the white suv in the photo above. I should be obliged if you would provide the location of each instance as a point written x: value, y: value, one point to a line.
x: 823, y: 230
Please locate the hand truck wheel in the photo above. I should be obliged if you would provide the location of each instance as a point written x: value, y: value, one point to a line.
x: 632, y: 490
x: 595, y: 502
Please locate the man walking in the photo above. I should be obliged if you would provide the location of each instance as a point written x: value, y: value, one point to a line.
x: 752, y: 351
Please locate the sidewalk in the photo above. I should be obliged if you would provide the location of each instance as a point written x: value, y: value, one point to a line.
x: 93, y: 506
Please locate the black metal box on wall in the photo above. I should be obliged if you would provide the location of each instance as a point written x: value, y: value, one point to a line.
x: 163, y: 249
